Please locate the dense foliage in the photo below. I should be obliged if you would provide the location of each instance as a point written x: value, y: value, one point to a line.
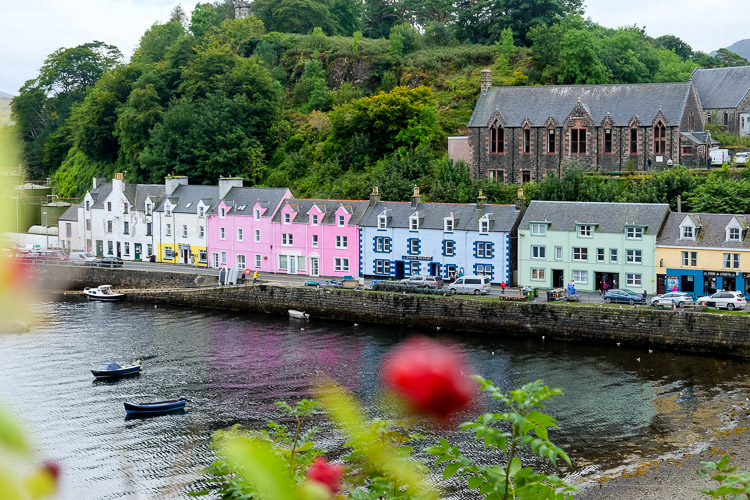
x: 327, y: 97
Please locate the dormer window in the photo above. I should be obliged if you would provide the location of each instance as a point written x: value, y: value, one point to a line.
x: 484, y: 225
x: 382, y: 221
x: 585, y: 231
x: 148, y: 208
x: 256, y: 214
x: 125, y: 208
x: 314, y: 219
x: 688, y: 232
x: 168, y: 209
x: 414, y: 222
x: 222, y: 212
x: 733, y: 234
x: 287, y: 218
x: 201, y: 211
x: 341, y: 220
x: 448, y: 224
x: 538, y: 229
x: 635, y: 233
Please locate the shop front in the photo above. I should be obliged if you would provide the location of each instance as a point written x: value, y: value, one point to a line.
x: 701, y: 283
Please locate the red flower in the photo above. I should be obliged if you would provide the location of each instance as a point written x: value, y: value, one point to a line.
x: 328, y: 474
x: 53, y: 469
x: 431, y: 376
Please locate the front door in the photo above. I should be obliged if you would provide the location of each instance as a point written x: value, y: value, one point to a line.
x: 185, y: 255
x: 99, y: 248
x: 399, y: 269
x: 118, y: 249
x: 661, y: 284
x: 137, y: 249
x: 434, y: 269
x: 558, y: 278
x: 314, y: 266
x: 292, y: 264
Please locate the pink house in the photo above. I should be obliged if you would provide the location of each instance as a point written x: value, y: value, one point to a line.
x: 240, y: 231
x: 318, y: 237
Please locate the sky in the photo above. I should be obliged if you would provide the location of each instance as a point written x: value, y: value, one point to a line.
x: 31, y: 30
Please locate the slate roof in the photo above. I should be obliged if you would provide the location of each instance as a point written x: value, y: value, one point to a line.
x: 100, y: 194
x: 712, y: 233
x: 721, y: 87
x: 466, y: 215
x: 621, y: 101
x: 609, y: 217
x: 192, y: 195
x: 71, y: 214
x: 143, y: 191
x: 699, y: 138
x: 302, y: 207
x: 248, y: 196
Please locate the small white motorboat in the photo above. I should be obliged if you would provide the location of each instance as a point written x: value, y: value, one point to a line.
x: 103, y: 292
x: 298, y: 314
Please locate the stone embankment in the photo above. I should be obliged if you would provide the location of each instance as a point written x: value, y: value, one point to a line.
x: 723, y: 334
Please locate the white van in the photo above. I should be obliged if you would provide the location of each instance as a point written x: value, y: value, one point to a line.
x: 83, y: 259
x: 478, y: 285
x: 741, y: 158
x: 719, y: 156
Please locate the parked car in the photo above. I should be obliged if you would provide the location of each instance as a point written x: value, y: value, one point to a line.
x: 623, y: 295
x: 52, y: 256
x: 724, y: 300
x: 110, y: 262
x: 478, y: 285
x: 741, y: 158
x: 680, y: 299
x: 422, y: 281
x: 83, y: 259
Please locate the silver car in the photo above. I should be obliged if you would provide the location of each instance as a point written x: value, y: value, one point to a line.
x: 478, y: 285
x: 724, y: 300
x: 680, y: 299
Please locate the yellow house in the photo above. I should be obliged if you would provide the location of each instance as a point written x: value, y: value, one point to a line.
x: 703, y: 253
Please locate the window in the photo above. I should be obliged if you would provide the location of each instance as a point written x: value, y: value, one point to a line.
x: 414, y: 246
x: 525, y: 176
x: 239, y: 234
x: 216, y: 259
x: 109, y: 226
x: 314, y: 242
x: 414, y: 268
x: 413, y: 223
x: 633, y: 141
x: 125, y: 208
x: 201, y: 231
x: 483, y: 269
x: 687, y: 150
x: 223, y: 258
x: 526, y: 141
x: 201, y: 211
x: 484, y: 250
x: 314, y: 219
x: 580, y: 253
x: 484, y: 225
x: 382, y: 222
x: 88, y: 224
x: 341, y: 220
x: 448, y: 225
x: 169, y: 230
x: 240, y: 261
x: 258, y: 260
x: 68, y: 229
x: 733, y: 234
x: 126, y: 246
x: 257, y: 236
x: 125, y: 227
x: 287, y: 218
x: 382, y: 244
x: 496, y: 175
x: 726, y: 119
x: 341, y: 241
x: 149, y: 249
x: 607, y: 141
x: 635, y: 233
x: 581, y: 277
x: 558, y: 253
x: 450, y: 269
x: 222, y: 212
x: 691, y: 122
x: 169, y: 254
x: 88, y: 205
x: 689, y: 259
x: 600, y: 255
x: 497, y: 139
x: 613, y: 255
x: 287, y: 239
x: 633, y: 279
x: 341, y: 265
x: 731, y: 261
x: 168, y: 209
x: 551, y: 140
x: 538, y: 229
x: 584, y: 231
x: 202, y: 256
x: 222, y: 233
x: 633, y: 256
x: 148, y: 208
x: 537, y: 274
x: 109, y: 206
x: 110, y: 248
x: 184, y: 231
x: 256, y: 214
x: 578, y: 141
x: 687, y: 232
x: 538, y: 252
x: 382, y: 267
x: 660, y: 139
x: 449, y: 248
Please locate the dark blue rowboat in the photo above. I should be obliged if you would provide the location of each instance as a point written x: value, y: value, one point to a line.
x: 144, y: 409
x: 112, y: 369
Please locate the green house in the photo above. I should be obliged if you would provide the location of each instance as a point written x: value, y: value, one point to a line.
x: 591, y: 244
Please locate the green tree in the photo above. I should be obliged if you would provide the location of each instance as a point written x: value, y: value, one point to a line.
x: 579, y: 58
x: 155, y: 42
x: 676, y: 45
x: 721, y: 193
x: 380, y: 16
x: 296, y: 16
x: 729, y: 58
x: 72, y: 71
x: 135, y: 121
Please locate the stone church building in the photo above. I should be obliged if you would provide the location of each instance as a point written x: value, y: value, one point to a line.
x: 522, y: 134
x: 725, y: 97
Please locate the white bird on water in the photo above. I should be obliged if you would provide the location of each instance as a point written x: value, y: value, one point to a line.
x: 618, y: 344
x: 638, y: 359
x: 356, y: 324
x: 650, y: 351
x: 542, y: 337
x: 438, y: 328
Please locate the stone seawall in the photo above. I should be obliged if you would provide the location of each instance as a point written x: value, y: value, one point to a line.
x: 632, y: 326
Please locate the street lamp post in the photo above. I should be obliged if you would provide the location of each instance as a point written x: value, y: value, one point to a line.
x: 46, y: 229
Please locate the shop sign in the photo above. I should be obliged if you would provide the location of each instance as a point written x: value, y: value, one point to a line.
x: 415, y: 257
x: 719, y: 274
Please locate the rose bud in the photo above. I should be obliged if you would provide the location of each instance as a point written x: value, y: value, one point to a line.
x: 325, y: 473
x: 430, y: 377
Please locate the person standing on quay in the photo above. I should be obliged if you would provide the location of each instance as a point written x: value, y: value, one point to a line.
x: 255, y: 276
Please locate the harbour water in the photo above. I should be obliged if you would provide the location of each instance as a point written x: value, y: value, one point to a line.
x: 622, y: 406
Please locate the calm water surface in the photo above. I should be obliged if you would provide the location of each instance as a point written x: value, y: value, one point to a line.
x: 616, y: 410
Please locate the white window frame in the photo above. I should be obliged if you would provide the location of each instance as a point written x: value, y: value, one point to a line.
x: 484, y: 249
x: 484, y: 225
x: 633, y: 256
x: 239, y: 234
x: 414, y: 246
x: 258, y: 260
x: 382, y: 222
x: 223, y: 258
x: 450, y: 248
x: 687, y: 233
x: 585, y: 231
x: 314, y: 242
x: 169, y: 230
x: 287, y: 239
x: 287, y: 218
x: 581, y: 254
x: 256, y: 214
x: 634, y: 233
x: 538, y: 274
x: 342, y: 242
x: 222, y: 233
x: 733, y: 234
x: 215, y: 256
x: 633, y: 279
x: 581, y: 277
x: 538, y: 229
x: 202, y: 231
x: 341, y: 220
x: 184, y: 231
x: 313, y: 219
x: 241, y: 261
x: 257, y: 236
x: 414, y: 223
x: 613, y: 255
x: 341, y: 264
x: 448, y: 225
x: 538, y: 252
x: 558, y: 253
x: 222, y: 212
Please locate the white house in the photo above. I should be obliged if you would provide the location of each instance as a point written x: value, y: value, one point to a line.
x: 70, y: 237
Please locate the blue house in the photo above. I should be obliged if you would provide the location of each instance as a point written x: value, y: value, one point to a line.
x: 401, y: 239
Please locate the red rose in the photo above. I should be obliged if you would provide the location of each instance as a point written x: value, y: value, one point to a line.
x: 53, y: 469
x: 431, y: 376
x: 328, y: 474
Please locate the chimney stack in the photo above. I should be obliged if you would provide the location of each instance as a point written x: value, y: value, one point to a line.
x: 416, y: 199
x: 481, y: 200
x: 172, y: 182
x: 485, y: 80
x: 679, y: 203
x: 520, y: 202
x: 374, y: 196
x: 227, y: 183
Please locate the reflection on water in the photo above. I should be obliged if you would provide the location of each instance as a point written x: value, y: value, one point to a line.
x: 232, y: 368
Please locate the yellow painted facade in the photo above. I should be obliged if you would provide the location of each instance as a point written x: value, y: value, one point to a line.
x: 706, y: 259
x: 181, y: 254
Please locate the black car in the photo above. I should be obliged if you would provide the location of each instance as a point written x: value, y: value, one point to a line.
x: 110, y: 262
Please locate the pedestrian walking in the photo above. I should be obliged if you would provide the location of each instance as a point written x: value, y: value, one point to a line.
x: 605, y: 287
x: 502, y: 287
x: 649, y: 164
x: 255, y: 276
x: 669, y: 162
x: 192, y: 260
x: 644, y: 296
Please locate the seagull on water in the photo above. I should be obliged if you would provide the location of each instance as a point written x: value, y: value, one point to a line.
x: 618, y: 344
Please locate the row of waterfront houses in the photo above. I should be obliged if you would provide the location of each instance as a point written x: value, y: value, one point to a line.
x: 546, y: 245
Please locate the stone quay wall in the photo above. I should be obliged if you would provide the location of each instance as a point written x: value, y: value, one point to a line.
x: 683, y: 330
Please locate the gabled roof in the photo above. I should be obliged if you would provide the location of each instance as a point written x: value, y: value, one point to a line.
x: 466, y: 215
x: 699, y: 138
x: 608, y: 217
x: 143, y: 191
x: 722, y: 87
x: 622, y: 102
x: 184, y: 195
x: 329, y: 208
x: 100, y: 194
x: 712, y: 232
x: 71, y: 214
x: 248, y: 196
